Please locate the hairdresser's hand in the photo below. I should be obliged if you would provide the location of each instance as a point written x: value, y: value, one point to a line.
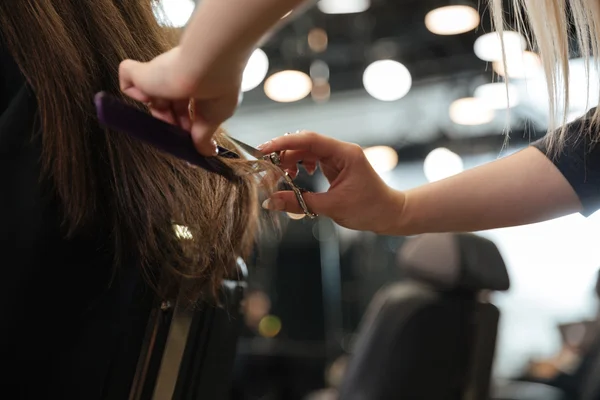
x: 357, y: 198
x: 167, y: 85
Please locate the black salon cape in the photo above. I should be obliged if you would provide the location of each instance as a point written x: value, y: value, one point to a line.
x: 65, y: 333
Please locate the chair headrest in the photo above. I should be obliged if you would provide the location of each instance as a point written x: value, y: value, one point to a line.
x: 454, y: 261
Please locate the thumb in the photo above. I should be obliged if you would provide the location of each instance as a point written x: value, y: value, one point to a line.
x: 209, y: 114
x: 129, y: 71
x: 318, y: 203
x: 202, y: 135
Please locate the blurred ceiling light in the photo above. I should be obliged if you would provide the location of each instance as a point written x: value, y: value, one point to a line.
x: 288, y: 86
x: 319, y: 71
x: 255, y: 71
x: 488, y: 47
x: 471, y: 111
x: 321, y: 91
x: 382, y: 158
x: 256, y: 305
x: 269, y: 326
x: 524, y: 65
x: 317, y: 40
x: 295, y: 216
x: 495, y: 95
x: 343, y: 6
x: 174, y: 13
x: 452, y: 20
x: 442, y: 163
x: 387, y: 80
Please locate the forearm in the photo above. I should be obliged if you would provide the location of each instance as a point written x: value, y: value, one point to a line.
x: 226, y: 31
x: 520, y: 189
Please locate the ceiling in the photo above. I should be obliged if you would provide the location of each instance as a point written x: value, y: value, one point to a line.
x: 389, y: 29
x: 443, y: 69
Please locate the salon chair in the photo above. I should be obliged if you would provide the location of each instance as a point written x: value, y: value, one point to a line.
x: 433, y: 335
x: 580, y: 384
x: 587, y: 375
x: 188, y: 354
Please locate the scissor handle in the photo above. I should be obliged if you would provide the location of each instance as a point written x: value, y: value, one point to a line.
x: 275, y: 159
x: 298, y: 193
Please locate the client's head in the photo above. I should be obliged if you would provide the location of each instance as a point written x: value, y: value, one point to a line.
x: 106, y: 182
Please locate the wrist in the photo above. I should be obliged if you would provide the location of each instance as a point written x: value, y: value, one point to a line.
x: 394, y: 221
x: 223, y: 33
x: 189, y: 76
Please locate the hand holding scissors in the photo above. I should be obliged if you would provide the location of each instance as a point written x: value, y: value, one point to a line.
x: 357, y: 197
x: 275, y: 158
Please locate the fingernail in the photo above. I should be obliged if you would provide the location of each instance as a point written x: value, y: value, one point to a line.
x: 262, y: 146
x: 273, y: 204
x: 215, y: 150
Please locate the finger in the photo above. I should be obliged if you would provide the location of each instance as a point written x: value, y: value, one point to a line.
x: 293, y: 172
x: 209, y: 115
x: 142, y: 77
x: 330, y: 173
x: 160, y: 104
x: 164, y: 115
x: 128, y: 69
x: 202, y: 137
x: 137, y: 94
x: 311, y: 142
x: 290, y: 158
x: 182, y: 114
x: 310, y: 167
x: 318, y: 203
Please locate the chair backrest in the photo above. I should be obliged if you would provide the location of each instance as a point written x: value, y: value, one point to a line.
x: 588, y: 372
x: 432, y: 336
x: 190, y: 353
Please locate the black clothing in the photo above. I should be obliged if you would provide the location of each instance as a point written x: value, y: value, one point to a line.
x: 579, y: 162
x: 66, y: 331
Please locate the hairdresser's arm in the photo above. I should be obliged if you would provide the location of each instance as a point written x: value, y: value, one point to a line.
x: 522, y: 188
x: 224, y: 32
x: 207, y: 66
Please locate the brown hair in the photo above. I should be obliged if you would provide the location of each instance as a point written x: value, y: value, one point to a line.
x: 70, y: 49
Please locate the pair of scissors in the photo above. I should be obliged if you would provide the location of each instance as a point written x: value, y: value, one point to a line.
x: 118, y: 115
x: 275, y: 159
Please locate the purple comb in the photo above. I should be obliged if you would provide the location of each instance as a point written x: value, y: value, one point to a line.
x: 115, y: 114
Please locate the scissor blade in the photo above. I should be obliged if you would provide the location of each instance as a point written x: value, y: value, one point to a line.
x: 248, y: 149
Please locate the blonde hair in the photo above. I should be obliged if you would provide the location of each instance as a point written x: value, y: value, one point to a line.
x: 546, y: 24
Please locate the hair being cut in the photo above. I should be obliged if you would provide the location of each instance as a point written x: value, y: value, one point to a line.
x: 547, y: 25
x: 106, y: 182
